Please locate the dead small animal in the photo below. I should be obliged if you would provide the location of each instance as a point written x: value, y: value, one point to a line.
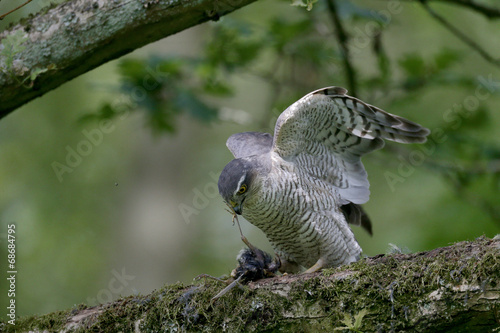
x: 253, y: 264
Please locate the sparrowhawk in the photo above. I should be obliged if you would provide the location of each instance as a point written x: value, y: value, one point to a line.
x: 303, y: 186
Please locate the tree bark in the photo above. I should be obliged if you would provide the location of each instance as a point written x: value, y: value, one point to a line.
x: 449, y: 289
x: 79, y: 35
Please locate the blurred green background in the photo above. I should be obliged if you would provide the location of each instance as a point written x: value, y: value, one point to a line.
x: 139, y: 207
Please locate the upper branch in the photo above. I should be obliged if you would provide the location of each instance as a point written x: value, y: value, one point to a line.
x: 79, y: 35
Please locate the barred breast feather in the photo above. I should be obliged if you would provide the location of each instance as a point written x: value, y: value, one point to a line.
x: 307, y: 181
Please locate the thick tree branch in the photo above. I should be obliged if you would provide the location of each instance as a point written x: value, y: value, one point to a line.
x: 79, y: 35
x: 455, y: 287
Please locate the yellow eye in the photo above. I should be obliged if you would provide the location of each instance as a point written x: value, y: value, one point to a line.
x: 242, y: 189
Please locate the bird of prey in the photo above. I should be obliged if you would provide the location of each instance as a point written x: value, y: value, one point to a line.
x: 303, y: 186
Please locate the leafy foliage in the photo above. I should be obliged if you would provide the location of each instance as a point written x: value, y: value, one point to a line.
x: 353, y: 324
x: 163, y: 89
x: 426, y: 76
x: 167, y: 87
x: 420, y: 72
x: 11, y: 46
x: 294, y: 55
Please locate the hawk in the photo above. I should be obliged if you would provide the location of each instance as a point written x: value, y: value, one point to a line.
x: 304, y: 186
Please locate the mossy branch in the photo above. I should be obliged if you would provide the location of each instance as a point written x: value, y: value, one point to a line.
x: 70, y: 39
x: 454, y: 288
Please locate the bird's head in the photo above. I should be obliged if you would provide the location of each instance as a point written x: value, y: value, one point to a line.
x: 235, y: 182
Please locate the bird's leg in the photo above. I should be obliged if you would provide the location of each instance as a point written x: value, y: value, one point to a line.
x: 316, y: 267
x: 273, y: 267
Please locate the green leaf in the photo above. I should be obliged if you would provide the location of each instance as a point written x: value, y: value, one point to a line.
x: 189, y: 102
x: 216, y: 87
x: 284, y: 33
x: 105, y: 112
x: 413, y: 65
x: 304, y: 3
x: 445, y: 58
x: 12, y: 45
x: 352, y: 325
x: 37, y: 71
x: 131, y: 69
x: 231, y: 49
x: 358, y: 318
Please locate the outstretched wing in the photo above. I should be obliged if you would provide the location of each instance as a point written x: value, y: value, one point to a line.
x: 326, y: 132
x: 249, y: 143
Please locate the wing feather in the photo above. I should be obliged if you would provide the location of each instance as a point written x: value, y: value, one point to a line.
x: 326, y: 132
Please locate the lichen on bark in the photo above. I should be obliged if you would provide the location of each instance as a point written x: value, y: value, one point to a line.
x: 455, y: 288
x: 76, y: 36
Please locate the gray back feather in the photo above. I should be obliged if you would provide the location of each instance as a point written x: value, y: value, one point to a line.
x: 249, y: 143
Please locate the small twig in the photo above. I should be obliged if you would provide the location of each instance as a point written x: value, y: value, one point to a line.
x: 13, y: 10
x: 342, y: 39
x: 489, y: 12
x: 460, y: 35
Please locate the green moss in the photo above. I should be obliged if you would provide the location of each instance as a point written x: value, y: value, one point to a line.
x: 390, y: 291
x: 51, y: 322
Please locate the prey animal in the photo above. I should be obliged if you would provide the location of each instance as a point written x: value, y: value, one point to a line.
x: 304, y: 186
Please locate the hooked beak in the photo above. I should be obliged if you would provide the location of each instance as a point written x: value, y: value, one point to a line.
x: 237, y: 208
